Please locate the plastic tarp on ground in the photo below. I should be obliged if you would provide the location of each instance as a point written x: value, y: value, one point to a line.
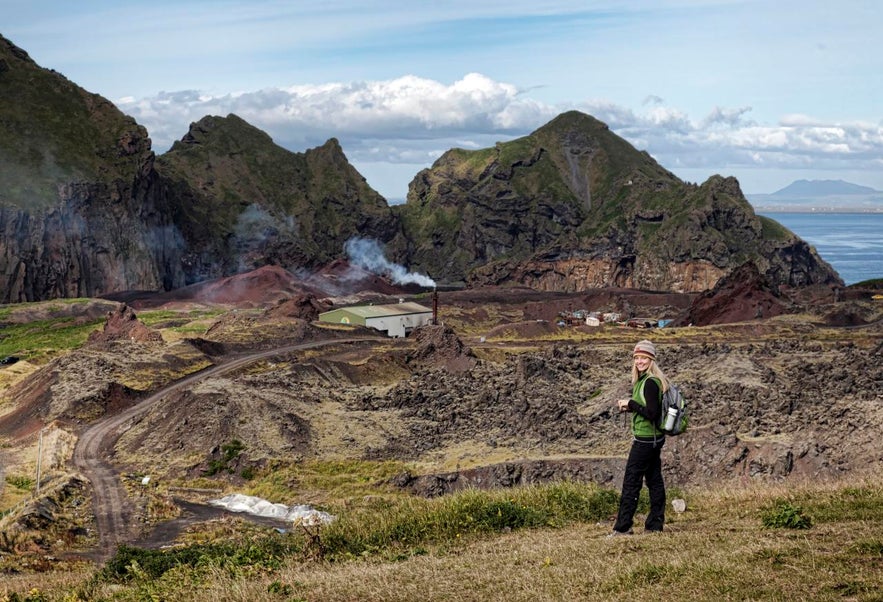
x: 300, y: 514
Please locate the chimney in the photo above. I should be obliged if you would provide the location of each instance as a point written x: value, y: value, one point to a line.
x: 435, y: 306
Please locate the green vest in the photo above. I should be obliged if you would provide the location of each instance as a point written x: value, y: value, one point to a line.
x: 641, y: 427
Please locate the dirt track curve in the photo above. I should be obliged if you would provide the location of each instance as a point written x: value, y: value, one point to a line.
x: 113, y: 512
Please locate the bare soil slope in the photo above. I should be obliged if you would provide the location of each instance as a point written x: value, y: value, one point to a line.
x: 487, y: 398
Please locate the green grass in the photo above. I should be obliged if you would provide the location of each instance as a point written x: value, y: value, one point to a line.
x: 410, y: 524
x: 39, y: 340
x: 392, y: 530
x: 158, y: 317
x: 42, y: 339
x: 782, y: 514
x: 874, y: 283
x: 20, y: 482
x: 132, y: 564
x: 229, y: 452
x: 773, y: 230
x: 324, y: 480
x: 530, y: 543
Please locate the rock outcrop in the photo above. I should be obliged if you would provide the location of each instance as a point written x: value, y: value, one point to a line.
x: 742, y: 295
x: 78, y: 211
x: 573, y: 206
x: 122, y: 324
x: 88, y: 210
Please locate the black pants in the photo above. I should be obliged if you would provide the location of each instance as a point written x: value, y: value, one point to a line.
x: 643, y: 463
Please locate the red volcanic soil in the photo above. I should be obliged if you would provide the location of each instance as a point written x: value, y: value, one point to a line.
x: 341, y: 278
x: 741, y: 296
x: 267, y: 286
x: 122, y: 323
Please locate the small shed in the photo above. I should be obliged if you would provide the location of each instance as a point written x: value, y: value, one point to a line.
x: 396, y: 319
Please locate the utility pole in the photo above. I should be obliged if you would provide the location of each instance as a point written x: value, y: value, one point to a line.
x: 39, y: 462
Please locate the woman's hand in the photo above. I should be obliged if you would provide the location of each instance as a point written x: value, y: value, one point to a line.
x: 623, y: 405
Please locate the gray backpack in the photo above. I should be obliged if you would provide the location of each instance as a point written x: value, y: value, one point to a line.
x: 673, y: 413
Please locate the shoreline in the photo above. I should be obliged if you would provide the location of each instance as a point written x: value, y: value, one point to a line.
x: 813, y: 210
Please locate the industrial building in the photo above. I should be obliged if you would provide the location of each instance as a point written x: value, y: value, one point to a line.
x: 396, y: 320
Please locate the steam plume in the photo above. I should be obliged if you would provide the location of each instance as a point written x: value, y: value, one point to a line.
x: 367, y: 254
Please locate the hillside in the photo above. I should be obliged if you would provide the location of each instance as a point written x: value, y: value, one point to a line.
x: 573, y: 206
x: 87, y: 209
x: 56, y: 135
x: 247, y: 396
x: 241, y: 201
x: 77, y: 208
x: 569, y: 207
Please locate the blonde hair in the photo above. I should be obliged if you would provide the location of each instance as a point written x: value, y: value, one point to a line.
x: 654, y: 370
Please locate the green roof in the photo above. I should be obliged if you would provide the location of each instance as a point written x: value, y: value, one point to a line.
x: 378, y: 311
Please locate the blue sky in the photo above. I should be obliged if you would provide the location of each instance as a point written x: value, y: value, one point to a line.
x: 768, y: 92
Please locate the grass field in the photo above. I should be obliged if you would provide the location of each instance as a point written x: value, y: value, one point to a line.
x: 812, y: 542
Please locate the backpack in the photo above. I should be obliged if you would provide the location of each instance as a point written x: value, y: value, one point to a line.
x: 673, y: 398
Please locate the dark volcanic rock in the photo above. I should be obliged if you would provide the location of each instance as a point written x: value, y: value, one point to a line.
x: 572, y: 207
x: 305, y: 307
x: 603, y: 471
x: 742, y: 295
x: 440, y: 346
x: 123, y: 325
x: 87, y: 210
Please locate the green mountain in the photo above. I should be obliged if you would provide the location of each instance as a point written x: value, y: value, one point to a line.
x: 244, y: 202
x: 573, y: 206
x: 87, y: 209
x: 55, y: 134
x: 77, y: 192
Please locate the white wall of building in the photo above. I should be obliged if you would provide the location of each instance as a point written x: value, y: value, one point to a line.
x: 399, y: 326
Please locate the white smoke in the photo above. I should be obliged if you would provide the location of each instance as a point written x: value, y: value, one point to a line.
x: 367, y: 254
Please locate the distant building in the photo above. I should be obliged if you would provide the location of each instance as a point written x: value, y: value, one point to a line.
x: 396, y: 320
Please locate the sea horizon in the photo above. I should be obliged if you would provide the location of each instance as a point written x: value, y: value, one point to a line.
x: 850, y: 241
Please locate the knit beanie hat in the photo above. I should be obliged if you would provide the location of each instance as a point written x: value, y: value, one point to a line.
x: 645, y: 347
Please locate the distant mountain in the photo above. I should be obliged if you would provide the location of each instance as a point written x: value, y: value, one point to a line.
x: 820, y: 195
x: 87, y: 209
x: 823, y: 188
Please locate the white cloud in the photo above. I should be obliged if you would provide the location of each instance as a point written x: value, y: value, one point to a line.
x: 413, y: 120
x: 408, y: 108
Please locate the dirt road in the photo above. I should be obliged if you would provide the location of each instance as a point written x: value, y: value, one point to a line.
x: 94, y: 448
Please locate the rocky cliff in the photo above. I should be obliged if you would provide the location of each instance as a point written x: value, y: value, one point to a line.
x: 86, y: 209
x: 243, y: 202
x: 77, y: 191
x: 573, y: 206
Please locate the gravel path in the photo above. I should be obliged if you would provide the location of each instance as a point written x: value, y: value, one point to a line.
x: 112, y: 508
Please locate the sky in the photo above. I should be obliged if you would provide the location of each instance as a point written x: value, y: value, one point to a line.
x: 767, y: 92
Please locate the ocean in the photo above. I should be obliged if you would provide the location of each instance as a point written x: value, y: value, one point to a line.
x: 851, y: 242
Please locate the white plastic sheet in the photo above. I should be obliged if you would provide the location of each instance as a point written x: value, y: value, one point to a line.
x: 300, y: 514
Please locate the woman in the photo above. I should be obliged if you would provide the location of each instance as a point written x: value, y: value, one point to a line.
x: 644, y: 463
